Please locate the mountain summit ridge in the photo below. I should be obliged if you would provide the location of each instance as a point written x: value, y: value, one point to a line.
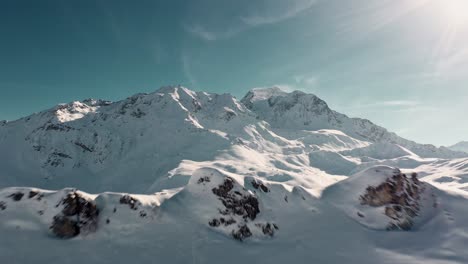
x: 156, y: 133
x: 180, y: 175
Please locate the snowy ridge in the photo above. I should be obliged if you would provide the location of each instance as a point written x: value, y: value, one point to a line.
x: 186, y: 175
x: 460, y: 146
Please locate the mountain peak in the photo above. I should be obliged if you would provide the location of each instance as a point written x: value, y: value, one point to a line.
x: 460, y: 146
x: 276, y: 94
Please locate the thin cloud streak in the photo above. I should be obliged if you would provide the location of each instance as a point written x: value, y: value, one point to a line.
x: 295, y: 8
x: 187, y: 69
x: 246, y: 22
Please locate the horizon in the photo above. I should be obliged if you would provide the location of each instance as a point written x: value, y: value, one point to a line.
x: 400, y: 64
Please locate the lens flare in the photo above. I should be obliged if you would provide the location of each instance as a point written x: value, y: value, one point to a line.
x: 456, y: 11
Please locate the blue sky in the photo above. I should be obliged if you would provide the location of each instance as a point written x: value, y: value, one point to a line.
x: 401, y: 63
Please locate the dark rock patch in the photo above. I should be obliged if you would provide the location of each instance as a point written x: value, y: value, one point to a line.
x: 246, y: 205
x: 83, y: 146
x: 143, y: 214
x: 223, y: 190
x: 37, y: 148
x: 64, y: 227
x: 17, y: 196
x: 130, y: 201
x: 242, y: 233
x: 2, y: 205
x: 79, y: 215
x: 203, y: 180
x: 214, y: 223
x: 400, y: 195
x: 138, y: 113
x: 259, y: 185
x: 239, y: 202
x: 268, y: 228
x: 58, y: 127
x: 32, y: 194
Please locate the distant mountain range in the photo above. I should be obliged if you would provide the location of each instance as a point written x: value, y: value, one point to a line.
x: 460, y: 146
x: 178, y: 176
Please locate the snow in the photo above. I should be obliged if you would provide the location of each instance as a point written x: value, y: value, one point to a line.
x: 460, y: 146
x: 155, y: 148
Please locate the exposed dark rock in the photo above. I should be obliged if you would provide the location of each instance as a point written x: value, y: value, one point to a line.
x: 143, y: 214
x: 83, y: 146
x: 2, y: 205
x: 64, y: 227
x: 239, y: 202
x: 32, y: 194
x: 401, y: 197
x: 203, y: 180
x: 79, y: 215
x: 224, y: 189
x: 215, y: 222
x: 17, y: 196
x: 56, y: 159
x: 242, y: 233
x: 37, y: 148
x: 61, y: 155
x: 138, y: 113
x: 259, y: 185
x: 245, y: 205
x: 107, y: 221
x: 229, y: 114
x: 132, y: 202
x: 40, y: 212
x: 268, y: 228
x: 58, y: 127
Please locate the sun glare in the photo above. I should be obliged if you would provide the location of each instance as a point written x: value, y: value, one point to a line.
x: 455, y: 10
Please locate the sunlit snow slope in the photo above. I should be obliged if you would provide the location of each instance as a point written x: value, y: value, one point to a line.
x: 183, y: 177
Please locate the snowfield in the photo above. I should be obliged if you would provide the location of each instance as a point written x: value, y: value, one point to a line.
x: 178, y: 176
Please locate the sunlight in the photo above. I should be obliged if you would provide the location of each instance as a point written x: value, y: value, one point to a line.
x: 456, y: 11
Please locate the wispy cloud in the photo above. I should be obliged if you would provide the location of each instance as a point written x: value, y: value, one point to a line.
x: 187, y: 69
x: 309, y: 81
x: 273, y: 12
x: 201, y: 32
x: 291, y: 11
x: 387, y: 106
x: 398, y: 103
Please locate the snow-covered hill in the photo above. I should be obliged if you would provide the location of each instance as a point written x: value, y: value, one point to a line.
x: 460, y: 146
x: 185, y: 177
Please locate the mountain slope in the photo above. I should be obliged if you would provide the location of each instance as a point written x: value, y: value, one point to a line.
x: 460, y: 146
x: 208, y: 220
x: 301, y: 111
x: 150, y: 142
x: 178, y: 176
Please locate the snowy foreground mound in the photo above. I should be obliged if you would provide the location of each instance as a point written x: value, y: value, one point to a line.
x: 392, y: 200
x: 262, y: 222
x: 190, y: 177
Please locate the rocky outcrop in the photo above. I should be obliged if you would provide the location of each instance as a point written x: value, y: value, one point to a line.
x: 240, y: 209
x: 245, y: 205
x: 400, y: 196
x: 259, y: 185
x: 79, y: 215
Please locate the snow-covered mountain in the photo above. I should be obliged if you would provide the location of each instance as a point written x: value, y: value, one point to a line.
x: 183, y: 177
x: 460, y: 146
